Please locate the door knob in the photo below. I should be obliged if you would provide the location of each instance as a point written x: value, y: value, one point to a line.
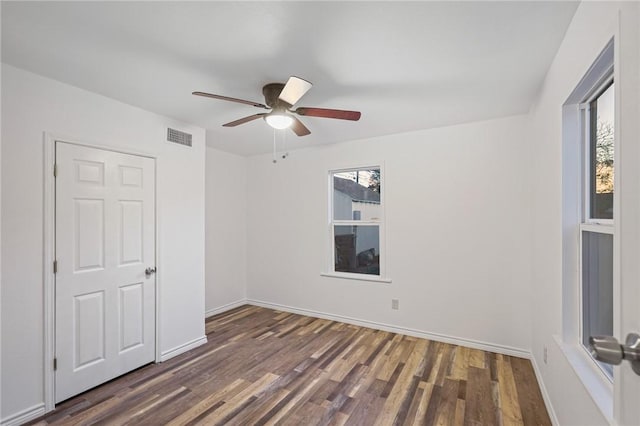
x: 150, y: 271
x: 607, y: 349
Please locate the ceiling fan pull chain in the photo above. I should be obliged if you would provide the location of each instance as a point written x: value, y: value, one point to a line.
x: 274, y: 147
x: 285, y: 154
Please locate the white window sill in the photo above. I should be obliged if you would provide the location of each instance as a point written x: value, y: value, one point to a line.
x: 357, y: 277
x: 595, y: 382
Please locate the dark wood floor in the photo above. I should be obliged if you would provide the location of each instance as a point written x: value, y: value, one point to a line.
x: 264, y: 367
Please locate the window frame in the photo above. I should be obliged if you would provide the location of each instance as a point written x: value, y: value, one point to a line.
x: 380, y: 222
x: 589, y: 223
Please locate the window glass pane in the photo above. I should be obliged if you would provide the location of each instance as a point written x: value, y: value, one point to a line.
x: 357, y: 249
x: 597, y: 287
x: 602, y: 146
x: 356, y: 195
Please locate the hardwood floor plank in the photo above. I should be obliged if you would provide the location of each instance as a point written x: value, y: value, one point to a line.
x: 402, y: 390
x: 509, y: 405
x: 408, y: 398
x: 460, y: 363
x: 432, y: 408
x: 207, y: 403
x: 266, y: 367
x: 460, y: 409
x: 529, y: 395
x: 298, y: 397
x: 135, y: 417
x: 425, y: 401
x: 446, y: 411
x: 477, y: 358
x: 413, y: 405
x: 238, y: 401
x: 365, y: 410
x: 259, y: 410
x: 479, y: 407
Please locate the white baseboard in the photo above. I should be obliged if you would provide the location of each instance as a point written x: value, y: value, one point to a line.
x: 224, y: 308
x: 24, y: 416
x: 182, y: 348
x: 489, y: 347
x: 545, y: 393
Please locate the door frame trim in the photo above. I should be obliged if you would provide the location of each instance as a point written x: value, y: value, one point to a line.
x: 49, y: 240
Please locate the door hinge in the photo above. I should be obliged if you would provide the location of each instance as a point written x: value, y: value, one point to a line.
x: 55, y: 364
x: 55, y: 169
x: 55, y: 266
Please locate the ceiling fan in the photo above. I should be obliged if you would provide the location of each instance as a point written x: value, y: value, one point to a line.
x: 280, y: 99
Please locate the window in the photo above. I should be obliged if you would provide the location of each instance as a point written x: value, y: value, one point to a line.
x: 356, y: 220
x: 589, y: 259
x: 596, y: 229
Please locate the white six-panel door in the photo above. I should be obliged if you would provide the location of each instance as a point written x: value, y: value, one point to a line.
x: 105, y: 239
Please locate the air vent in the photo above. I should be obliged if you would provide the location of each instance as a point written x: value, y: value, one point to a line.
x: 177, y: 136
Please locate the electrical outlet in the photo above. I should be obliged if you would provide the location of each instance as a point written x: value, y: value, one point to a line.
x: 395, y: 304
x: 544, y: 354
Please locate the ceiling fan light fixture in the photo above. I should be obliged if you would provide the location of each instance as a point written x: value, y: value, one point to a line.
x: 279, y: 120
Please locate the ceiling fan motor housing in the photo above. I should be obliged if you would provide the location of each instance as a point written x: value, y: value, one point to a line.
x: 271, y: 94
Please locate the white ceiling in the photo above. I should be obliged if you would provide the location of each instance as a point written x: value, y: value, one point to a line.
x: 405, y: 65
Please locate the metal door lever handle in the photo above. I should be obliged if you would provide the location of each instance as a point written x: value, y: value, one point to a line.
x: 150, y: 271
x: 607, y: 349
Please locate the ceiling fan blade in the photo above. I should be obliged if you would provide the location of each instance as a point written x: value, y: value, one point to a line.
x: 294, y: 90
x: 329, y: 113
x: 299, y: 128
x: 244, y: 120
x: 226, y: 98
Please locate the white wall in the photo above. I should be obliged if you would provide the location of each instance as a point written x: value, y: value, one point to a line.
x: 593, y: 25
x: 458, y: 234
x: 226, y: 230
x: 32, y: 105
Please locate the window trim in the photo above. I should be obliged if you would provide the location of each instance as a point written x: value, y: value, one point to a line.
x: 588, y: 223
x: 357, y: 277
x: 380, y: 222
